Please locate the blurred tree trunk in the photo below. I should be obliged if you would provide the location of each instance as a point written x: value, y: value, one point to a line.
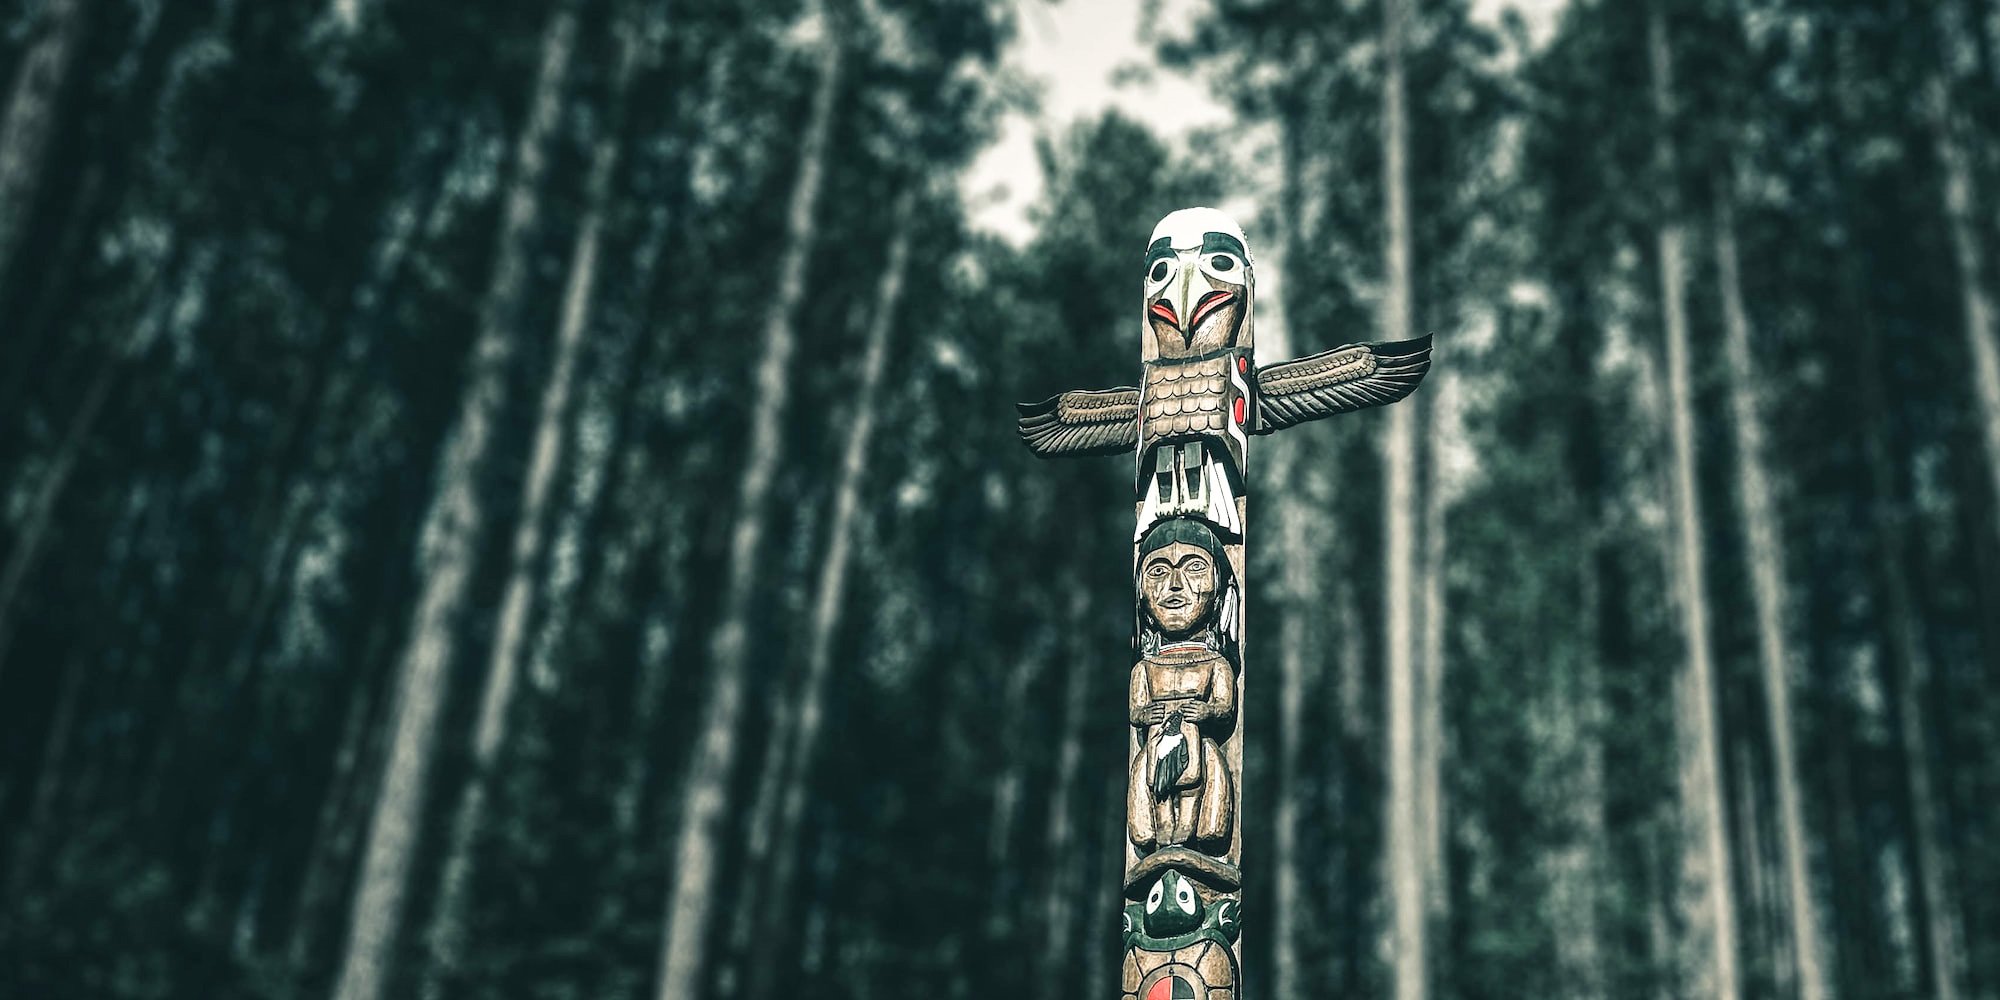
x: 1101, y: 954
x: 1854, y: 904
x: 1658, y: 890
x: 1404, y: 836
x: 332, y: 829
x: 1358, y: 944
x: 1907, y: 649
x: 449, y: 545
x: 779, y: 814
x: 55, y: 288
x: 335, y: 395
x: 655, y: 663
x: 48, y: 777
x: 1297, y: 582
x: 628, y: 481
x: 1962, y: 217
x: 1430, y: 659
x: 650, y: 506
x: 1770, y: 599
x: 316, y: 444
x: 1601, y: 599
x: 1060, y: 902
x: 503, y: 666
x: 1905, y: 661
x: 175, y: 274
x: 1023, y: 682
x: 1709, y: 907
x: 177, y: 284
x: 29, y: 124
x: 694, y: 867
x: 1297, y: 585
x: 27, y: 548
x: 1757, y: 900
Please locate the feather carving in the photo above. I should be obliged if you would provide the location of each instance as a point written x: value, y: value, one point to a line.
x: 1082, y: 422
x: 1346, y: 378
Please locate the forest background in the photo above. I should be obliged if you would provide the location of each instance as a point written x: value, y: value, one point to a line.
x: 521, y: 500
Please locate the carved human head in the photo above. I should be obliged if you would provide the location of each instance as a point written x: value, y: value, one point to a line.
x: 1182, y: 570
x: 1199, y: 285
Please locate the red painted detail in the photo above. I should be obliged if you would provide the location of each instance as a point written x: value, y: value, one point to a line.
x: 1239, y: 409
x: 1164, y: 311
x: 1171, y: 987
x: 1242, y: 364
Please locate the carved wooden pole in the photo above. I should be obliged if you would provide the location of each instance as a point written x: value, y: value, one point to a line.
x: 1190, y: 426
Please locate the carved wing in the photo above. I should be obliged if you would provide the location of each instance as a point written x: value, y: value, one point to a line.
x: 1082, y: 422
x: 1346, y: 378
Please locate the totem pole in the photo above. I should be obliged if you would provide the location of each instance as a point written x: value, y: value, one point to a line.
x: 1190, y: 427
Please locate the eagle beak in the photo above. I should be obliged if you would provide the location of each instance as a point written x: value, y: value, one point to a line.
x: 1186, y: 289
x: 1211, y: 303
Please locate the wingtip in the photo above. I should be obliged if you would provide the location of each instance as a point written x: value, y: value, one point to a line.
x: 1037, y: 409
x: 1404, y: 348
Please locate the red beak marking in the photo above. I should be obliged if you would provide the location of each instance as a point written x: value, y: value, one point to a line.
x: 1165, y: 311
x: 1209, y: 303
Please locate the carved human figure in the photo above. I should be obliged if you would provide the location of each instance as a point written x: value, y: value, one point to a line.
x: 1182, y: 696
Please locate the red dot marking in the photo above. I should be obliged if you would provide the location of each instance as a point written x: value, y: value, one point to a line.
x: 1239, y: 409
x: 1242, y: 363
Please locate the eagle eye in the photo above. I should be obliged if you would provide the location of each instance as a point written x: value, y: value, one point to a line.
x: 1159, y: 271
x: 1222, y: 262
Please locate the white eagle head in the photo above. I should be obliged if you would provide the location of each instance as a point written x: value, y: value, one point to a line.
x: 1199, y: 281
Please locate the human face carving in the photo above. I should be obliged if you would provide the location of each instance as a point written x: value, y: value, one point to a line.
x: 1178, y: 582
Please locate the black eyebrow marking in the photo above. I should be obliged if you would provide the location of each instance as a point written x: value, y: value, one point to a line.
x: 1212, y: 242
x: 1162, y: 247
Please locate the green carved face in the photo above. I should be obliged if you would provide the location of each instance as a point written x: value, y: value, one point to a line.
x: 1172, y: 907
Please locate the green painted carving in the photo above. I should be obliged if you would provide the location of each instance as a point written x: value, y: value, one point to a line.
x: 1173, y: 916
